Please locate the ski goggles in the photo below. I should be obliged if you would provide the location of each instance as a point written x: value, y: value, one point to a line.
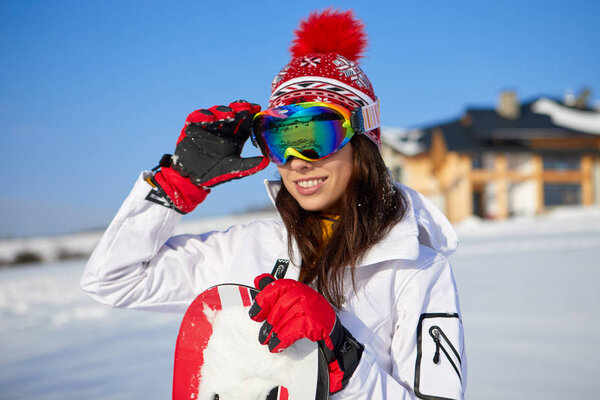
x: 310, y: 131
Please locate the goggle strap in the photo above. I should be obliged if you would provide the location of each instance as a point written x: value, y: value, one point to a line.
x: 365, y: 119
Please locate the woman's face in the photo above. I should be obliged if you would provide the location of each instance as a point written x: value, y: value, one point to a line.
x: 319, y: 185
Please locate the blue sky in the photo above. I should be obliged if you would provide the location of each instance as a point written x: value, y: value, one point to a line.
x: 93, y: 92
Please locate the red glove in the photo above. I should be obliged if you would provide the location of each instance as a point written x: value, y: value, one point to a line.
x: 208, y: 154
x: 293, y: 311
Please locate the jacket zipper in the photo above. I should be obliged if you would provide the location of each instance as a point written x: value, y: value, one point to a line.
x: 442, y: 343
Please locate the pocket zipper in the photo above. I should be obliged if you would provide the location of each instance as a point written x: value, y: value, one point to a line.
x: 442, y: 342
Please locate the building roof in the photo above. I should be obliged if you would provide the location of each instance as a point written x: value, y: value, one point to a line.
x: 482, y: 128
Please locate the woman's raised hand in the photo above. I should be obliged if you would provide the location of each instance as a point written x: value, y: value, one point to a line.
x: 208, y: 153
x: 209, y: 147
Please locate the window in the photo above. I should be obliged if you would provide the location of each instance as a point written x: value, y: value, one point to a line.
x: 477, y: 161
x: 561, y: 162
x: 519, y: 162
x: 556, y: 194
x: 482, y: 161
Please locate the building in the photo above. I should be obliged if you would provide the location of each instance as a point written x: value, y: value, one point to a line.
x: 516, y: 159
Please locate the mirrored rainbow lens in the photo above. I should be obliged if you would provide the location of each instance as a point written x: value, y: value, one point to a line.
x: 313, y: 131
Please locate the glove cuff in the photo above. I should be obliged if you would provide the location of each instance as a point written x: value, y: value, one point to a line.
x: 182, y: 192
x: 344, y: 359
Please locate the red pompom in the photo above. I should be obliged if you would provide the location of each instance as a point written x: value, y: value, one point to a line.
x: 331, y: 31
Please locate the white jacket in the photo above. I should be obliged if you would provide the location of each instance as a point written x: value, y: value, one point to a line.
x: 405, y: 309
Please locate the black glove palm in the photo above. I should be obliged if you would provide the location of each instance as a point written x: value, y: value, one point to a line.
x: 209, y: 148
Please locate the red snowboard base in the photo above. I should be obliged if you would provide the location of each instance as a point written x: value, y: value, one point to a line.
x: 218, y: 356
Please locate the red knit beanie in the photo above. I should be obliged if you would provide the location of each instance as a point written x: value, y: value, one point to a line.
x: 323, y: 66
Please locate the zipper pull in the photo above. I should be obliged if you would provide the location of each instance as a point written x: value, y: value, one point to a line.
x: 436, y: 339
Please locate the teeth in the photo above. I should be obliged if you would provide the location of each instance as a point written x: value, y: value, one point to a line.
x: 309, y: 183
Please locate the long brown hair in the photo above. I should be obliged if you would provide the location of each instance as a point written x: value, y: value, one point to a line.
x: 372, y: 206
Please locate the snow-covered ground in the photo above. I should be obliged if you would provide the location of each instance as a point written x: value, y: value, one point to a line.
x: 529, y: 291
x: 54, y: 248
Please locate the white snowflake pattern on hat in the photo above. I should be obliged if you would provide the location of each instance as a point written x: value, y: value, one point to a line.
x: 310, y: 62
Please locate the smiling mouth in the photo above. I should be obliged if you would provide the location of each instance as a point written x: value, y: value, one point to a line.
x: 308, y: 183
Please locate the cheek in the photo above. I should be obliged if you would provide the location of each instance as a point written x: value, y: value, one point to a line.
x: 347, y: 175
x: 285, y: 179
x: 343, y: 178
x: 343, y: 170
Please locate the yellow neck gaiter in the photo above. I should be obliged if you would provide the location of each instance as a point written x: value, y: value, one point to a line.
x: 327, y: 223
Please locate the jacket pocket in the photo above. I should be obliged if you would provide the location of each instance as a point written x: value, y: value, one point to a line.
x: 443, y: 344
x: 438, y: 370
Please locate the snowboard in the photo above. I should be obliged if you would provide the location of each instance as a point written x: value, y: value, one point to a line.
x: 218, y: 355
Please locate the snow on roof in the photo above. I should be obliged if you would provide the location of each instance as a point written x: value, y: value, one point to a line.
x: 405, y: 141
x: 567, y: 117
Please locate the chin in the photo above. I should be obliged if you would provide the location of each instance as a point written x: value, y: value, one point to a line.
x: 317, y: 205
x: 310, y: 206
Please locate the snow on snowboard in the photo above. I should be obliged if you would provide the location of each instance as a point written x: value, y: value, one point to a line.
x: 218, y: 356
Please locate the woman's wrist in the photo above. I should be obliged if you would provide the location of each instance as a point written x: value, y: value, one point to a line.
x: 344, y: 359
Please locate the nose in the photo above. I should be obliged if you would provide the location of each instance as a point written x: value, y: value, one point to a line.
x: 298, y: 164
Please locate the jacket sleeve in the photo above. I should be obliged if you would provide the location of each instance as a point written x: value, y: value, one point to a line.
x: 137, y: 264
x: 427, y: 347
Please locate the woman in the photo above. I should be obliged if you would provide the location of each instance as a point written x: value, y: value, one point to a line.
x: 361, y: 263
